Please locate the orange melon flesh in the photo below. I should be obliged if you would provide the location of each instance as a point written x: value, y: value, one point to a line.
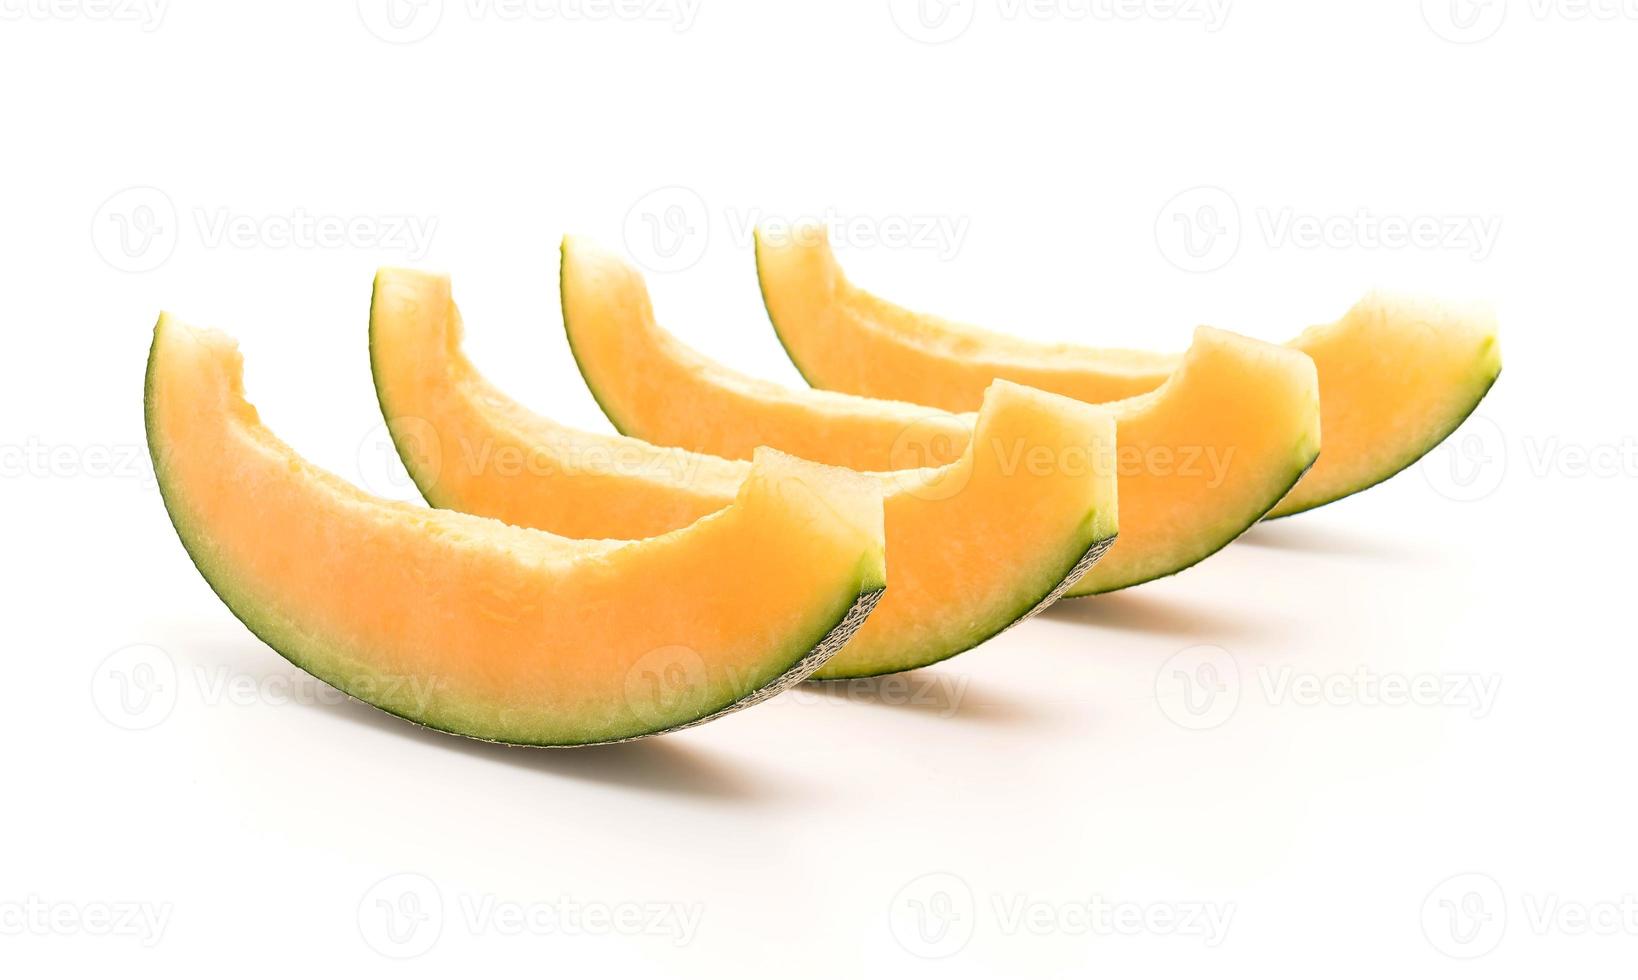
x: 475, y: 627
x: 1200, y: 458
x: 975, y: 545
x: 1397, y: 374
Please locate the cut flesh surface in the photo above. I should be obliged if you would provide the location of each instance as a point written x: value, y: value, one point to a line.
x: 471, y: 626
x: 1199, y: 459
x: 973, y: 546
x: 1397, y: 374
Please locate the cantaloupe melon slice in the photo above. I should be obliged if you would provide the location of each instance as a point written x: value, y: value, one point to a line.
x: 974, y: 546
x: 471, y: 626
x: 1200, y: 459
x: 1397, y: 374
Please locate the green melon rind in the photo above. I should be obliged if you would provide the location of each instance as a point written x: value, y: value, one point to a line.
x: 1222, y: 542
x: 1093, y: 546
x: 433, y: 499
x: 284, y: 638
x: 1069, y: 592
x: 389, y: 415
x: 1443, y: 432
x: 1306, y: 456
x: 1086, y: 559
x: 579, y: 362
x: 1490, y: 354
x: 767, y: 307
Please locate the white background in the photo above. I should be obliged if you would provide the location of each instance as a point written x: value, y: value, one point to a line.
x: 1067, y: 766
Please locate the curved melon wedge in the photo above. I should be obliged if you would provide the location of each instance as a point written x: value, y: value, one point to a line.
x: 468, y: 625
x: 975, y: 546
x: 1200, y: 459
x: 1397, y: 375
